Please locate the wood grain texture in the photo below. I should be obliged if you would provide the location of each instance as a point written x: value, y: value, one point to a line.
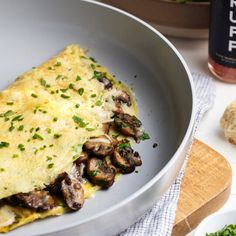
x: 205, y: 187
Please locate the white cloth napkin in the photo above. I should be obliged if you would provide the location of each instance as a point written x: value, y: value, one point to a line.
x: 159, y: 219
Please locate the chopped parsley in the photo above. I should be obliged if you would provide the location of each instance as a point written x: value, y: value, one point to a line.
x: 58, y: 63
x: 50, y: 165
x: 78, y: 78
x: 18, y: 118
x: 228, y: 230
x: 59, y: 77
x: 15, y: 156
x: 31, y: 130
x: 65, y: 96
x: 93, y: 66
x: 43, y: 82
x: 93, y: 95
x: 4, y: 144
x: 98, y: 103
x: 56, y: 136
x: 90, y: 129
x: 21, y: 147
x: 144, y: 136
x: 124, y: 145
x: 97, y: 75
x: 37, y: 136
x: 2, y: 169
x: 34, y: 95
x: 77, y: 105
x: 7, y: 114
x: 55, y: 119
x: 20, y: 128
x: 92, y: 59
x: 64, y: 90
x: 49, y: 158
x: 71, y: 86
x: 10, y: 103
x: 81, y: 91
x: 79, y: 121
x: 11, y: 127
x: 94, y: 173
x: 49, y: 131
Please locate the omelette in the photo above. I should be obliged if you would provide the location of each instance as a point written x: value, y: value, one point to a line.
x: 67, y: 127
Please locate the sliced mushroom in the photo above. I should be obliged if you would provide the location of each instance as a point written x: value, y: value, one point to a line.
x: 100, y: 173
x: 122, y: 97
x: 38, y: 200
x: 100, y: 146
x: 73, y: 193
x: 137, y: 159
x: 128, y: 125
x: 77, y: 172
x: 106, y: 82
x: 55, y: 187
x: 82, y: 158
x: 125, y: 158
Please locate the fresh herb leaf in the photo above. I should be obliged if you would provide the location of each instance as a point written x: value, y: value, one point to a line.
x: 43, y: 82
x: 58, y: 63
x: 21, y: 147
x: 50, y: 165
x: 97, y: 75
x: 98, y: 103
x: 15, y: 156
x: 10, y: 103
x: 34, y: 95
x: 81, y: 91
x: 37, y: 136
x: 79, y: 121
x: 56, y: 136
x: 144, y: 136
x: 65, y: 96
x: 21, y: 127
x: 4, y: 144
x: 93, y: 95
x: 78, y: 78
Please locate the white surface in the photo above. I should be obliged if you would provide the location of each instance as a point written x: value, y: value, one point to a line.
x: 216, y: 222
x: 195, y: 52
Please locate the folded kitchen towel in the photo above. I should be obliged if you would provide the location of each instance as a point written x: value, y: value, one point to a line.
x: 160, y: 218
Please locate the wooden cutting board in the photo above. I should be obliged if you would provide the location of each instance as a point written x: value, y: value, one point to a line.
x: 204, y: 189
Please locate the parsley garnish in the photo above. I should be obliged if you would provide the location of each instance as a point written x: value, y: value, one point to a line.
x: 4, y: 144
x: 79, y: 121
x: 21, y: 127
x: 50, y: 165
x: 15, y: 155
x: 78, y: 78
x: 97, y: 75
x: 98, y: 103
x: 228, y: 230
x: 93, y: 95
x: 81, y: 91
x: 10, y: 103
x: 55, y: 119
x: 58, y: 63
x: 37, y: 136
x: 65, y: 96
x: 144, y: 136
x: 21, y: 147
x: 77, y: 105
x: 34, y: 95
x: 56, y: 136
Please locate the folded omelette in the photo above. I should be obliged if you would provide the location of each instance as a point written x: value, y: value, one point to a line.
x: 66, y: 130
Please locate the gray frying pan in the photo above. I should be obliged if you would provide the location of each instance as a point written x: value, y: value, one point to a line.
x: 32, y: 31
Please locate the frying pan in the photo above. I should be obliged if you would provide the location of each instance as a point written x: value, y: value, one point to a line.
x: 32, y: 31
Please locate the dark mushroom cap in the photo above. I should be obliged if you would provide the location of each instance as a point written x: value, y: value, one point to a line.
x: 100, y: 173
